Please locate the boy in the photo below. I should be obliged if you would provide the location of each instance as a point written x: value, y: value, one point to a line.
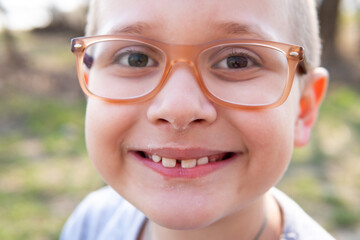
x: 193, y: 111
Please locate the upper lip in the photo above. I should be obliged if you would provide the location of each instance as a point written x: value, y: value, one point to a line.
x: 177, y: 153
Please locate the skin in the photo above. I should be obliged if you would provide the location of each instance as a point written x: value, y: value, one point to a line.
x: 231, y: 201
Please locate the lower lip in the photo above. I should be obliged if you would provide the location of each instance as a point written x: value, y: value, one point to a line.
x: 179, y: 172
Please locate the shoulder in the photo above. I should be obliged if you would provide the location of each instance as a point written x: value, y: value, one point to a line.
x: 103, y: 214
x: 298, y: 225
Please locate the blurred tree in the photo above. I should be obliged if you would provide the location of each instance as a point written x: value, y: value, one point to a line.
x: 328, y: 16
x: 12, y: 56
x: 342, y: 70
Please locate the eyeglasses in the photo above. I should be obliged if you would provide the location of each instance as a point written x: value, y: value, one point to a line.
x: 240, y: 73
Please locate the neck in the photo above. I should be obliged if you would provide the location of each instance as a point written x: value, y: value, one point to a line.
x: 247, y: 223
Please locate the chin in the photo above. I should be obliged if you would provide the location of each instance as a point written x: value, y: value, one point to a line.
x: 180, y: 220
x: 185, y: 215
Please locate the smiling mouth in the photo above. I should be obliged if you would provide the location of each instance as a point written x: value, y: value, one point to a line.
x: 186, y: 163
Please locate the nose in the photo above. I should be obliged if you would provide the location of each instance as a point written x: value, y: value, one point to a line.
x: 181, y: 104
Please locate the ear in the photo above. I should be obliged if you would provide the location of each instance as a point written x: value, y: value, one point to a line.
x: 86, y: 74
x: 86, y: 78
x: 310, y: 101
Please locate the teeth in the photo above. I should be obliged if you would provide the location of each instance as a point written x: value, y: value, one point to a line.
x: 168, y: 162
x: 190, y: 163
x: 203, y: 161
x: 156, y: 158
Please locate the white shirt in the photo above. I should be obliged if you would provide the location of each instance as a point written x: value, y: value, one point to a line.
x: 105, y: 215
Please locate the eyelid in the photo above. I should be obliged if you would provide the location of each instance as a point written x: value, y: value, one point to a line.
x: 141, y: 49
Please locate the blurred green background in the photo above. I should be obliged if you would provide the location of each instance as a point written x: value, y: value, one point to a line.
x: 44, y: 170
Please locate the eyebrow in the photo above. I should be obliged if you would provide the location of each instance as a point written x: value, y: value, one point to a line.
x: 135, y: 28
x: 229, y: 28
x: 234, y: 28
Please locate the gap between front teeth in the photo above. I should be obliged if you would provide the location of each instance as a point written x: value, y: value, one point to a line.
x: 188, y: 163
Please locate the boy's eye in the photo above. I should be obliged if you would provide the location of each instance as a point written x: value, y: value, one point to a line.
x: 138, y: 60
x: 134, y: 59
x: 236, y: 61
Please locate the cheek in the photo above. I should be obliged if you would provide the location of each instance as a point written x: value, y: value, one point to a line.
x: 273, y: 131
x: 276, y: 140
x: 107, y: 126
x: 268, y: 138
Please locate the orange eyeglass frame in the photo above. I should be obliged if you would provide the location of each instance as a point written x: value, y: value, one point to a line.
x: 189, y: 54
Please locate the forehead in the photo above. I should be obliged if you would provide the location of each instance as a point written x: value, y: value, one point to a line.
x: 191, y: 22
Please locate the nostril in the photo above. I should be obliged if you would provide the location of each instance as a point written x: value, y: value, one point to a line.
x: 162, y: 120
x: 198, y: 120
x: 174, y: 123
x: 180, y: 124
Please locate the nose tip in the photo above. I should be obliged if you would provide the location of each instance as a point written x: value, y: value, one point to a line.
x: 181, y: 103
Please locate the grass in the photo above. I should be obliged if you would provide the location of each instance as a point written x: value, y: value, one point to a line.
x: 44, y: 169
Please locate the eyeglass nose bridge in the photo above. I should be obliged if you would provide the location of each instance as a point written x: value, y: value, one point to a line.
x: 177, y: 54
x: 175, y: 63
x: 182, y: 54
x: 190, y: 64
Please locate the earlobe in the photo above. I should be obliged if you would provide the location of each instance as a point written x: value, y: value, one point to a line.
x: 310, y: 101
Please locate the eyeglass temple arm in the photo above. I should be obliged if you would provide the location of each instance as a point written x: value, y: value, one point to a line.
x: 302, y: 69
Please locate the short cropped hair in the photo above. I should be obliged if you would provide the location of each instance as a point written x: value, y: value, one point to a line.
x: 303, y: 22
x: 304, y: 25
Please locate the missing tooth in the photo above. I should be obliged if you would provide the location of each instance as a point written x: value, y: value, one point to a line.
x: 228, y: 155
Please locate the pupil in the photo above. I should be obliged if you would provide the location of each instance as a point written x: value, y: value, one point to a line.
x: 138, y: 60
x: 237, y: 62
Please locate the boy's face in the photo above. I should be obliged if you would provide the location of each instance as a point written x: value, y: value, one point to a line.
x: 181, y: 123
